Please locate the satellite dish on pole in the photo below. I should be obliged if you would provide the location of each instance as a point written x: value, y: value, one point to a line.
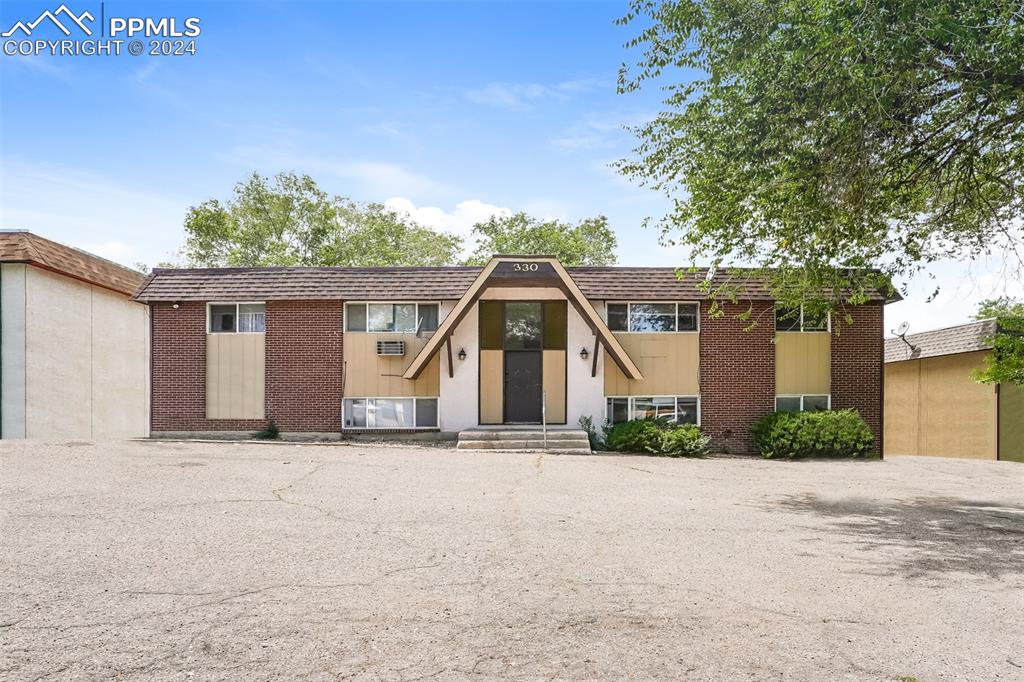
x: 902, y: 329
x: 901, y: 332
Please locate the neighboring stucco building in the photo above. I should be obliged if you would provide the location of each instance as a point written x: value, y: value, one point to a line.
x: 75, y: 353
x: 521, y: 340
x: 934, y: 407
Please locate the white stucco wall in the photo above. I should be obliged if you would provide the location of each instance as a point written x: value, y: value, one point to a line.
x: 460, y: 394
x: 12, y: 353
x: 86, y: 360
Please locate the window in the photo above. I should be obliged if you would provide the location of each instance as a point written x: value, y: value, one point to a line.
x: 679, y: 409
x: 391, y: 317
x: 523, y: 325
x: 802, y: 403
x: 799, y: 320
x: 231, y: 318
x: 654, y: 317
x: 390, y: 413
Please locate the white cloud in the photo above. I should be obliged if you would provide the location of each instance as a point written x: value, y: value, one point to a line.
x: 524, y: 95
x: 598, y: 131
x: 961, y: 287
x: 114, y: 250
x: 371, y: 179
x: 459, y: 221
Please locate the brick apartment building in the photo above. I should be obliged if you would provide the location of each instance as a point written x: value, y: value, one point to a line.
x: 519, y: 341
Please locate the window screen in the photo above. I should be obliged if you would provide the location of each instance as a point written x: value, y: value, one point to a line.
x: 787, y: 403
x: 222, y: 318
x: 686, y: 410
x: 618, y: 410
x: 618, y: 317
x: 428, y: 317
x: 687, y: 317
x: 426, y: 412
x: 815, y: 403
x: 252, y: 317
x: 355, y: 317
x: 787, y: 319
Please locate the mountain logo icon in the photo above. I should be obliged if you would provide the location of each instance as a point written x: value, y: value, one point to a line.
x: 78, y: 20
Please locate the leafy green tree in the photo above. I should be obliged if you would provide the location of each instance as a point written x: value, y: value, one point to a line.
x: 824, y: 138
x: 588, y: 242
x: 1003, y: 306
x: 290, y: 221
x: 1005, y: 364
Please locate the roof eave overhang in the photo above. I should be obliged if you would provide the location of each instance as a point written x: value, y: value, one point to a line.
x: 565, y: 283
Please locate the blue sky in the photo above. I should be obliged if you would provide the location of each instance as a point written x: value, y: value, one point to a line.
x: 452, y: 111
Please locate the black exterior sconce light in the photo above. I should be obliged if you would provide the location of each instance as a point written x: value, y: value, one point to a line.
x: 584, y: 353
x: 462, y: 354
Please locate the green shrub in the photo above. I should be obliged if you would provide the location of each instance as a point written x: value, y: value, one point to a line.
x: 685, y: 440
x: 796, y: 435
x: 657, y: 437
x: 640, y: 435
x: 596, y: 441
x: 271, y: 432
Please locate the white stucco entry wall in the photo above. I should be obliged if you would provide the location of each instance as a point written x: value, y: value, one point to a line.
x: 460, y: 394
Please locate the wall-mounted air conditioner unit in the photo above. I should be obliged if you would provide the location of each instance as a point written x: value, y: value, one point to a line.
x: 391, y: 348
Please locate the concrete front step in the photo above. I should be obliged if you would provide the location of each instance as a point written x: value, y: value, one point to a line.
x: 522, y: 434
x: 574, y: 444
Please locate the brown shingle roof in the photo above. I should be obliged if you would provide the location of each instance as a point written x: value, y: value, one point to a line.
x: 411, y: 283
x: 25, y: 247
x: 963, y: 338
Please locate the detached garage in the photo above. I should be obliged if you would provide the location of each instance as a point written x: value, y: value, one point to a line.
x: 934, y: 407
x: 75, y: 347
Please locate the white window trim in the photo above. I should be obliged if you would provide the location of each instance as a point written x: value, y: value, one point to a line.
x: 416, y: 303
x: 828, y: 396
x: 414, y: 427
x: 629, y: 316
x: 631, y: 398
x: 801, y: 330
x: 209, y: 304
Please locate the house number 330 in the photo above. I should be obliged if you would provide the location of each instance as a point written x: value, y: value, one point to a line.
x: 524, y: 267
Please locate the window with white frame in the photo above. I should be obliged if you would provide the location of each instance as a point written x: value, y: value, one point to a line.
x: 799, y: 320
x: 237, y: 318
x: 390, y: 413
x: 802, y: 403
x: 653, y: 317
x: 678, y: 409
x: 391, y: 317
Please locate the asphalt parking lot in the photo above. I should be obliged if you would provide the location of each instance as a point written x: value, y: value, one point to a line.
x: 227, y: 561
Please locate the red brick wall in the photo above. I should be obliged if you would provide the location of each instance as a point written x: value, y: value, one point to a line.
x: 857, y: 364
x: 737, y: 374
x: 303, y: 368
x: 304, y: 364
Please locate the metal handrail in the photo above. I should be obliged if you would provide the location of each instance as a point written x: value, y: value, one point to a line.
x: 544, y: 417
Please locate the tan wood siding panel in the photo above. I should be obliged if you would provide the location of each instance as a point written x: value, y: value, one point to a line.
x: 1011, y: 423
x: 370, y: 375
x: 902, y: 407
x: 492, y: 384
x: 554, y: 385
x: 235, y: 376
x: 803, y: 363
x: 934, y: 408
x: 669, y: 362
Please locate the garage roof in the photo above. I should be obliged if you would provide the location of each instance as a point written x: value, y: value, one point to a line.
x: 963, y: 338
x: 24, y: 247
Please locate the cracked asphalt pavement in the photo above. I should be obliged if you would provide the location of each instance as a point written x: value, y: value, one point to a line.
x: 145, y: 560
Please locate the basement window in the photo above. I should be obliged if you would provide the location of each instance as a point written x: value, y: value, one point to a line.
x: 390, y: 413
x: 802, y: 403
x: 676, y: 409
x: 653, y: 317
x: 237, y: 318
x: 403, y: 318
x: 799, y: 320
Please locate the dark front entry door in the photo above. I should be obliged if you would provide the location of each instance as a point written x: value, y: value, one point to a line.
x: 522, y: 386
